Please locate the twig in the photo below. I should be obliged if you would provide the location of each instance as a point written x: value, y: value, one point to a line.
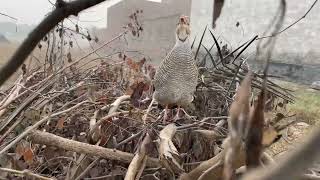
x: 139, y: 161
x: 25, y: 173
x: 102, y: 120
x: 88, y: 168
x: 115, y: 105
x: 128, y: 139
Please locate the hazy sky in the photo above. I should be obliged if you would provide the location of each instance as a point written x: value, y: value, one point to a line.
x: 33, y: 11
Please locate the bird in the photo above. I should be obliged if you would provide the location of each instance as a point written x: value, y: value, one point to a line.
x: 176, y: 78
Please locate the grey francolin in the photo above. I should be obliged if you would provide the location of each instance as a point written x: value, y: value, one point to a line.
x: 175, y: 80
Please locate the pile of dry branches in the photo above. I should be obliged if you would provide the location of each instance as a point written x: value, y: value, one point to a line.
x: 91, y: 122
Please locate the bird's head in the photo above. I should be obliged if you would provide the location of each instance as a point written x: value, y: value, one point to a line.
x: 183, y: 29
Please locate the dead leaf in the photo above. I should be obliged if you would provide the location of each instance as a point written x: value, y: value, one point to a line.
x: 60, y: 123
x: 28, y: 155
x: 24, y: 150
x: 137, y: 93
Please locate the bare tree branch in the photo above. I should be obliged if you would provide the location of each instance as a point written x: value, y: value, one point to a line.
x: 2, y: 14
x: 67, y: 9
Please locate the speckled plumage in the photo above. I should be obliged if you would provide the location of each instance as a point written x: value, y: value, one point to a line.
x: 176, y: 78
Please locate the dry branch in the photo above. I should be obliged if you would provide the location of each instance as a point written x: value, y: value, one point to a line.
x: 168, y: 153
x: 115, y: 105
x: 139, y: 161
x: 84, y: 148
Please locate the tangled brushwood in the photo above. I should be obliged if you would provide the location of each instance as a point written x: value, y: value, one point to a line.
x: 74, y: 121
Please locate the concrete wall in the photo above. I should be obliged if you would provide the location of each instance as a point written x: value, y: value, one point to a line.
x: 304, y: 74
x: 158, y: 20
x: 298, y: 45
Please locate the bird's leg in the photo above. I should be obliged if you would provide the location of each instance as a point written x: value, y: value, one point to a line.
x: 177, y: 116
x: 186, y: 114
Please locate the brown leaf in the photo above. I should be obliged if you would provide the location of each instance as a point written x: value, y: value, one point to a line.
x: 28, y: 155
x: 217, y: 7
x: 137, y: 93
x: 60, y: 123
